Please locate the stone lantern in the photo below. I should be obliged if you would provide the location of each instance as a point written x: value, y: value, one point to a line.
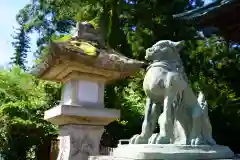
x: 84, y: 65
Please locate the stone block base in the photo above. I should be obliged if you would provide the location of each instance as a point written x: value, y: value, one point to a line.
x: 112, y: 158
x: 171, y: 152
x: 100, y: 158
x: 78, y: 142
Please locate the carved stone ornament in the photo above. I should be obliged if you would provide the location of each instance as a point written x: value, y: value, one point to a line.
x: 79, y: 141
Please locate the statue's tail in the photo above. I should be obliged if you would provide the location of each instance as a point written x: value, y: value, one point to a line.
x: 207, y: 128
x: 202, y: 102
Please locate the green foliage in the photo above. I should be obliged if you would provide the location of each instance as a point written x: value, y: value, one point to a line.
x: 23, y: 102
x: 213, y: 65
x: 130, y: 99
x: 21, y: 46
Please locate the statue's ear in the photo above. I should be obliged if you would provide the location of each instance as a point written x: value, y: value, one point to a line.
x: 178, y: 45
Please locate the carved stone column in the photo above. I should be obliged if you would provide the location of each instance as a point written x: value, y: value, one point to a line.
x: 81, y: 129
x: 77, y: 142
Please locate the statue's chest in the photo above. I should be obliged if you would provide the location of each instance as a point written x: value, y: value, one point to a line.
x: 157, y: 72
x: 176, y: 67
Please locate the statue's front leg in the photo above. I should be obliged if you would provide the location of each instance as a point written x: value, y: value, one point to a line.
x: 196, y: 135
x: 152, y: 112
x: 153, y: 138
x: 165, y: 122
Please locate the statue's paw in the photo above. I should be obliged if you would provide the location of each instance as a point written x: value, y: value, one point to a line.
x: 197, y: 141
x: 138, y: 139
x: 162, y: 140
x: 133, y: 139
x: 153, y: 138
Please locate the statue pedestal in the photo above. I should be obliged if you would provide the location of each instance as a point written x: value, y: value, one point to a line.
x: 170, y: 152
x: 80, y: 128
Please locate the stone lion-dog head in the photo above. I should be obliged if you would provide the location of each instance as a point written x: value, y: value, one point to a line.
x: 163, y: 49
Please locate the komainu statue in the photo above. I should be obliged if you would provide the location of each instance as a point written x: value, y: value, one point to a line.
x: 182, y: 117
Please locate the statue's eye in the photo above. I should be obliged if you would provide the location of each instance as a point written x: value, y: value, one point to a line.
x: 151, y: 49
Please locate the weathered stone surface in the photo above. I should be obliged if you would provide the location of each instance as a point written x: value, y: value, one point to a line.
x: 80, y: 128
x: 101, y: 158
x: 112, y: 158
x: 64, y: 58
x: 68, y: 114
x: 84, y: 30
x: 171, y: 151
x: 184, y: 119
x: 85, y: 52
x: 83, y: 92
x: 77, y: 142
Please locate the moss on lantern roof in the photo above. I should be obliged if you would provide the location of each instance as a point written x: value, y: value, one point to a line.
x: 85, y: 49
x: 88, y: 53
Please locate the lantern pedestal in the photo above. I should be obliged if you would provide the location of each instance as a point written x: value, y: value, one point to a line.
x: 77, y: 142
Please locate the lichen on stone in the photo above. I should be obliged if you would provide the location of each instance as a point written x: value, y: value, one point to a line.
x: 86, y: 47
x: 62, y: 39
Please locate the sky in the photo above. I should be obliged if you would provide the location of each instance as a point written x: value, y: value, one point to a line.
x: 8, y: 11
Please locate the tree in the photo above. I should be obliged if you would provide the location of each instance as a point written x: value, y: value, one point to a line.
x: 21, y: 43
x: 115, y: 18
x: 212, y: 66
x: 21, y: 46
x: 23, y: 132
